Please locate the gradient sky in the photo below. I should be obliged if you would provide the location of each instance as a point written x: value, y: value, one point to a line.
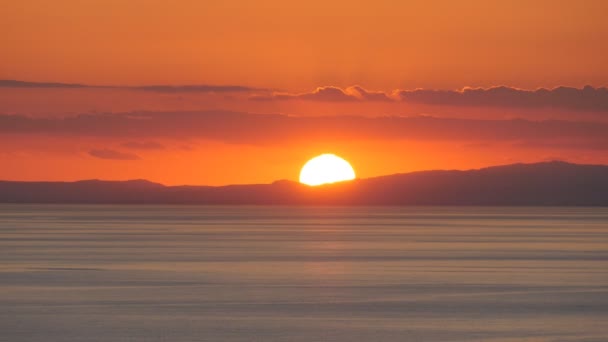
x: 200, y: 92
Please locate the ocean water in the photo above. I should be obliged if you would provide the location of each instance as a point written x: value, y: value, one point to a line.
x: 197, y: 273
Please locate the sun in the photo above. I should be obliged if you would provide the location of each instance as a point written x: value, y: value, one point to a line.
x: 326, y: 168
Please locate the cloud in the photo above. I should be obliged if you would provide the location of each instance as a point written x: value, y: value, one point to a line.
x: 238, y: 127
x: 24, y: 84
x: 587, y: 98
x: 146, y: 145
x: 112, y: 154
x: 329, y: 94
x: 326, y: 94
x: 367, y: 95
x: 197, y: 88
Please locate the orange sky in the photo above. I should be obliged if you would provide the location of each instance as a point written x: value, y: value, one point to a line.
x: 300, y: 45
x: 281, y: 52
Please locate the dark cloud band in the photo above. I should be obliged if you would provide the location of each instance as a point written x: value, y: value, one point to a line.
x: 586, y: 99
x: 568, y: 98
x: 237, y: 127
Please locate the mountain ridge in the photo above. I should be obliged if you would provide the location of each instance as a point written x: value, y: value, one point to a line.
x: 546, y: 183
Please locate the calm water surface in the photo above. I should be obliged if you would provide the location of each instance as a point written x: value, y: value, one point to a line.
x: 195, y: 273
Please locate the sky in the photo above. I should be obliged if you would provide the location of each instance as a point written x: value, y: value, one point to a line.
x: 201, y: 92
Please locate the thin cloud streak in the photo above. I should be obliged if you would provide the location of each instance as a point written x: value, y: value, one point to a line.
x: 112, y: 154
x: 145, y: 145
x: 24, y: 84
x: 197, y: 88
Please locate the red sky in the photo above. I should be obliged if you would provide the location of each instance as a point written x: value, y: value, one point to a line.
x: 249, y: 90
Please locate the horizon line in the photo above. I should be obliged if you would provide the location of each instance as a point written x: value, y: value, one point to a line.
x: 555, y: 161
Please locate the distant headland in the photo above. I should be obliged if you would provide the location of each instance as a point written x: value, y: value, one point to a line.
x: 541, y: 184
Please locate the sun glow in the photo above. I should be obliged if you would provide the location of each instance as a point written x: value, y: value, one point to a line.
x: 326, y: 168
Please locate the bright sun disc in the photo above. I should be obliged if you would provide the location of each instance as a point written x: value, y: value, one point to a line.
x: 326, y: 168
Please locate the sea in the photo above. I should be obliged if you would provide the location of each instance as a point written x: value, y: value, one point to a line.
x: 272, y: 273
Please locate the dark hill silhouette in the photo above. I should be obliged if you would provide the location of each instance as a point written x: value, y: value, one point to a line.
x: 550, y: 183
